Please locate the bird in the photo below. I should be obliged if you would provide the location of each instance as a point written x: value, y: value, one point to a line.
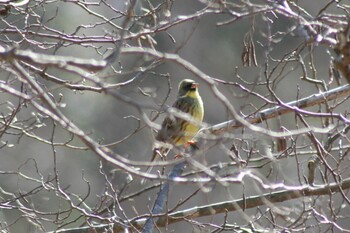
x: 179, y: 131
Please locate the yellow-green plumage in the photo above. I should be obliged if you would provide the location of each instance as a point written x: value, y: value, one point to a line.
x: 178, y: 131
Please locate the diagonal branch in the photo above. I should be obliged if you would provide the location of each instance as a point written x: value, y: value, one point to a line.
x: 222, y: 207
x: 284, y: 108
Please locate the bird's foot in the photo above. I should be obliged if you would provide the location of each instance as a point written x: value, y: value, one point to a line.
x: 192, y: 144
x: 178, y: 156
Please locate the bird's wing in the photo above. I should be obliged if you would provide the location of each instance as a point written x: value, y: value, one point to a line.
x: 170, y: 125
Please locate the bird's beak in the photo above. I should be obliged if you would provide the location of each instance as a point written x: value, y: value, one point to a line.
x: 194, y: 85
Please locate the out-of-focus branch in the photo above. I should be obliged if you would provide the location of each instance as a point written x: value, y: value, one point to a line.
x: 51, y: 110
x: 284, y: 108
x: 51, y: 60
x: 290, y: 192
x: 239, y: 121
x: 159, y: 204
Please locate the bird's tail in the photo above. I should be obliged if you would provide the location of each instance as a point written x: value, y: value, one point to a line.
x: 162, y: 153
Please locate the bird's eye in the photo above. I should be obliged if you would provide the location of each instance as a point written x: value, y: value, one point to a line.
x: 189, y: 86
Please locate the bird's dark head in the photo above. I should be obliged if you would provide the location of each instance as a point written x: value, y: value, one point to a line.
x: 187, y: 86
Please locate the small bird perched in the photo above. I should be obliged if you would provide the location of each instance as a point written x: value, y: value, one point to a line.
x: 179, y: 131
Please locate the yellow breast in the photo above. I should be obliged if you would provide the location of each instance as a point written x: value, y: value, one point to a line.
x: 190, y: 129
